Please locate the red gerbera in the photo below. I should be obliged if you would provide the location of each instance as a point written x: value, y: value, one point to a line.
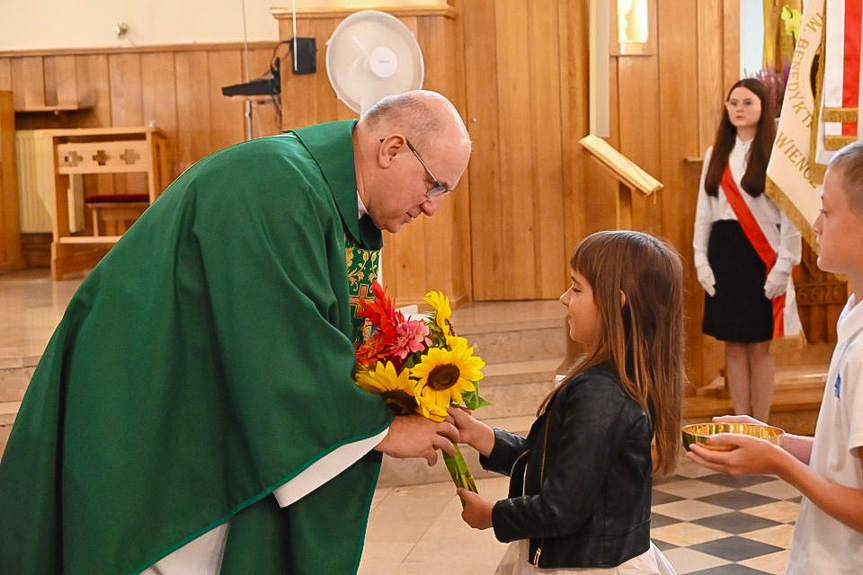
x: 385, y: 320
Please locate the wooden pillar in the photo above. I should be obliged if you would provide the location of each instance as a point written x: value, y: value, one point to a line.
x: 10, y: 219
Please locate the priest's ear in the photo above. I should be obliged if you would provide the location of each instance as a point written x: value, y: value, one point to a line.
x: 389, y: 149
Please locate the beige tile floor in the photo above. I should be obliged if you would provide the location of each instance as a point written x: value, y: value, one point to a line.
x: 417, y: 530
x: 706, y: 524
x: 31, y: 305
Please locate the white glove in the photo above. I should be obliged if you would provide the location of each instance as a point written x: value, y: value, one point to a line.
x: 776, y: 284
x: 706, y: 279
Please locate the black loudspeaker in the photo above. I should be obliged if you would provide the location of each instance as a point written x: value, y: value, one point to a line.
x: 305, y: 55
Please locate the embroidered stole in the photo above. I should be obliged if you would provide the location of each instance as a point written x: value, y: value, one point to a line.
x: 362, y: 266
x: 756, y: 237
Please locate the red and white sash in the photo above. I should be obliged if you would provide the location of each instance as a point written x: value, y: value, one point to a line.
x: 758, y: 240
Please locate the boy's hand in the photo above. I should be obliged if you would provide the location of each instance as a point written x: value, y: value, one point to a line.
x: 476, y: 511
x: 472, y: 431
x: 737, y: 419
x: 751, y: 456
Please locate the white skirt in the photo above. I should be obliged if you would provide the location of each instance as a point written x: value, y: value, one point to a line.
x: 651, y: 562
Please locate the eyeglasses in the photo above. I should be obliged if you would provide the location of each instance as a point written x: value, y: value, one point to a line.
x: 439, y: 188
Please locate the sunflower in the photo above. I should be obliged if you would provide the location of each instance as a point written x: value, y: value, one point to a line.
x: 396, y: 389
x: 428, y: 409
x: 443, y: 375
x: 443, y: 311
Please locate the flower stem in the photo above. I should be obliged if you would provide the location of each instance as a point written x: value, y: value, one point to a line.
x: 458, y: 470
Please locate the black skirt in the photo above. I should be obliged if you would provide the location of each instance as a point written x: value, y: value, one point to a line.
x: 739, y: 312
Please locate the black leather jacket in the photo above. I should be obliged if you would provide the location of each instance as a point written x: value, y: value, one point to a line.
x: 581, y: 481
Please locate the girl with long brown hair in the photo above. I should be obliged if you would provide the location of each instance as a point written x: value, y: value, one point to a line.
x: 745, y: 249
x: 580, y: 486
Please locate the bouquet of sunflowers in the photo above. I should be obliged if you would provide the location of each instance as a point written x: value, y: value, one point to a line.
x: 419, y: 365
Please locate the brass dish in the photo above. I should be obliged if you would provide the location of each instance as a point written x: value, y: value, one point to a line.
x: 700, y: 433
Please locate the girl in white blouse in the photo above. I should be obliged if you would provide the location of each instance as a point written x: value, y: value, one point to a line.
x: 748, y: 300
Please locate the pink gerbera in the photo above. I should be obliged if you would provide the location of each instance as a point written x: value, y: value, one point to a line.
x: 411, y: 336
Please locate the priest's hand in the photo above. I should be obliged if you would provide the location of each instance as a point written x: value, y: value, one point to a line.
x: 416, y: 436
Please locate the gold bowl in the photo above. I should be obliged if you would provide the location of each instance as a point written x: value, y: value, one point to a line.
x: 700, y: 433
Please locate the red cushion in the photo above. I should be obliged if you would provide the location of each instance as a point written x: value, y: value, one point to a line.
x: 117, y: 198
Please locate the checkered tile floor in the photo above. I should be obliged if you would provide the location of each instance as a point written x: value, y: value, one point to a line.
x: 714, y: 524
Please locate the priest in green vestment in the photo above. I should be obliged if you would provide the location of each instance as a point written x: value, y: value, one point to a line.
x: 194, y: 411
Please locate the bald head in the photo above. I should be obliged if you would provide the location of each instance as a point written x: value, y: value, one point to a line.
x: 421, y: 115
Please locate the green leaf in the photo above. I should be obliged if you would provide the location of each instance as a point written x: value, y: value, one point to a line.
x: 473, y: 400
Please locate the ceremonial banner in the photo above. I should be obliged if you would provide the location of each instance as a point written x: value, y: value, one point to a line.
x: 793, y: 178
x: 820, y: 110
x: 840, y: 87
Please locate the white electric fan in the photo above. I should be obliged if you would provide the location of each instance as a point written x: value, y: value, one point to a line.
x: 372, y: 55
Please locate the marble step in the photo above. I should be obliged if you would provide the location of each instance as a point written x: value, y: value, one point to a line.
x: 524, y: 343
x: 503, y: 332
x: 400, y: 472
x: 15, y: 374
x: 790, y: 352
x: 516, y: 388
x: 8, y: 410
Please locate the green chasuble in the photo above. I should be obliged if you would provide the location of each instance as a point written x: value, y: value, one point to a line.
x: 203, y: 363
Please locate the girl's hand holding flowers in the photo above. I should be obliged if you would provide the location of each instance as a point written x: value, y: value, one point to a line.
x: 472, y: 431
x: 476, y: 511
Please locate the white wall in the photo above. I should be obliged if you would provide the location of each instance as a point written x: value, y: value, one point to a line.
x: 751, y: 36
x: 44, y: 24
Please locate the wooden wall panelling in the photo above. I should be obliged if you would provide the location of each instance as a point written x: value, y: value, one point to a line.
x: 517, y: 226
x: 159, y: 102
x: 194, y: 133
x: 127, y: 109
x: 711, y: 71
x: 28, y: 82
x: 572, y: 28
x: 94, y: 87
x: 227, y: 119
x: 461, y: 255
x: 547, y: 185
x: 730, y: 43
x: 638, y: 118
x: 678, y: 114
x: 61, y: 85
x: 486, y: 204
x: 5, y: 75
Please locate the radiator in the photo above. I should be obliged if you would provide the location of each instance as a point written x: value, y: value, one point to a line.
x: 33, y: 150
